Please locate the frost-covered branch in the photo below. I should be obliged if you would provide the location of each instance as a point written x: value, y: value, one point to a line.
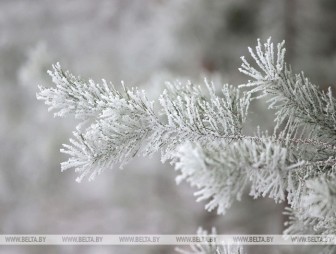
x: 298, y: 102
x: 211, y: 248
x: 317, y: 208
x: 199, y: 130
x: 126, y: 123
x: 303, y: 113
x: 221, y: 171
x: 73, y: 96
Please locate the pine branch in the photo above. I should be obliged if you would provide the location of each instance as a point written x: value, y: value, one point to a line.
x: 73, y: 96
x: 221, y: 171
x: 126, y: 123
x: 298, y: 102
x: 317, y: 204
x: 200, y: 131
x: 211, y: 248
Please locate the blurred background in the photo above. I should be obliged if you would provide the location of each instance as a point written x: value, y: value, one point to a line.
x: 144, y: 43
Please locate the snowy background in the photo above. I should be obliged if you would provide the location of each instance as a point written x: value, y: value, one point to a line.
x: 144, y: 43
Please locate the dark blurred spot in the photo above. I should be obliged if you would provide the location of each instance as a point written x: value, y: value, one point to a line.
x: 327, y: 26
x: 240, y: 20
x: 209, y: 65
x: 329, y: 5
